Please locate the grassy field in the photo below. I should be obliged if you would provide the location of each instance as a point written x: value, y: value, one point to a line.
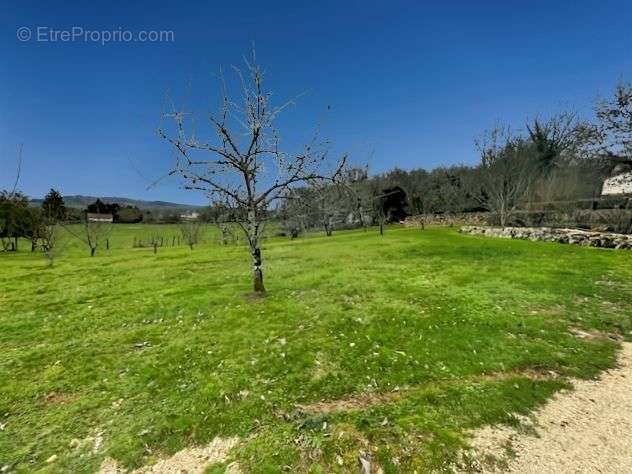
x: 423, y: 334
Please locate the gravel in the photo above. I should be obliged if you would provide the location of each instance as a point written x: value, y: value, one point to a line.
x: 586, y: 430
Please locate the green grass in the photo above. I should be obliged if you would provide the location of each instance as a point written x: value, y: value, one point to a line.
x: 160, y: 352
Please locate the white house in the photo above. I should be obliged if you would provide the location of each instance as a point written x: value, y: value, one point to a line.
x: 617, y: 185
x: 94, y: 217
x: 190, y: 216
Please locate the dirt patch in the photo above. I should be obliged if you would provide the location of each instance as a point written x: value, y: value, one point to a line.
x: 529, y: 373
x: 355, y: 402
x: 59, y: 398
x: 586, y: 430
x: 370, y: 399
x: 593, y: 335
x: 255, y: 296
x: 190, y: 460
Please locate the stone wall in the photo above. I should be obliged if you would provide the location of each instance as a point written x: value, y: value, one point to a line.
x: 470, y: 218
x: 548, y: 234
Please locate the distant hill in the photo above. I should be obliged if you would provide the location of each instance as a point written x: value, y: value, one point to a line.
x: 81, y: 202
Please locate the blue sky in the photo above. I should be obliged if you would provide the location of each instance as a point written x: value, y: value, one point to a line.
x: 414, y: 82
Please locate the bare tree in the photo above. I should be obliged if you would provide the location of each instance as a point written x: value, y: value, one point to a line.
x: 609, y: 142
x: 505, y: 173
x: 558, y: 143
x: 329, y: 207
x: 244, y: 164
x: 615, y: 124
x: 379, y: 211
x: 94, y: 233
x: 226, y: 234
x: 555, y: 139
x: 448, y: 191
x: 190, y: 230
x: 359, y: 197
x: 224, y: 218
x: 298, y: 212
x: 156, y: 240
x: 321, y: 204
x: 48, y: 234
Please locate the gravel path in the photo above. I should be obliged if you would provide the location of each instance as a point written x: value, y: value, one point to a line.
x: 585, y: 430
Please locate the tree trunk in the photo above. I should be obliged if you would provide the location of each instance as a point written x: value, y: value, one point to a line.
x: 503, y: 212
x: 93, y: 250
x: 257, y: 271
x: 253, y: 240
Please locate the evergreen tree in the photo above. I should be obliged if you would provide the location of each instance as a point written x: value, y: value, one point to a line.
x: 53, y: 206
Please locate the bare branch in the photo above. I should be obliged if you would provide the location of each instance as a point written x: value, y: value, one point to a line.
x: 18, y: 172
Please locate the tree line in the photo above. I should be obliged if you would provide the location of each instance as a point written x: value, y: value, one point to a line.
x: 556, y: 166
x: 38, y: 225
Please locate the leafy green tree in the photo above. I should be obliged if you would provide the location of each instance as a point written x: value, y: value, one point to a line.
x: 53, y: 206
x: 129, y: 215
x: 100, y: 207
x: 14, y: 219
